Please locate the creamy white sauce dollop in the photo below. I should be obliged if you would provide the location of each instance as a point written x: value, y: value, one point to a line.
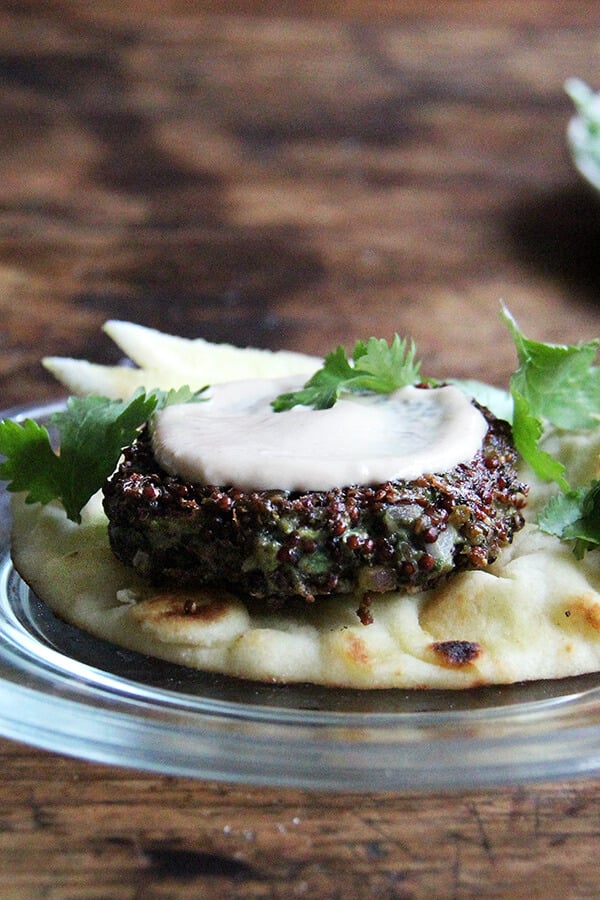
x: 235, y: 437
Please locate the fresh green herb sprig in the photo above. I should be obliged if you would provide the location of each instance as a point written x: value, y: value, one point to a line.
x: 557, y: 385
x: 92, y: 432
x: 574, y: 516
x: 374, y: 366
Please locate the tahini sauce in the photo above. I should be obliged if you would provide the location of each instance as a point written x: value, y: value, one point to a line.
x: 235, y: 437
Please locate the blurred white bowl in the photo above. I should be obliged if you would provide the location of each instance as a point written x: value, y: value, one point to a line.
x: 583, y: 131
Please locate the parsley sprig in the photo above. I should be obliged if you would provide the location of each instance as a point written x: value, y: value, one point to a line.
x: 374, y: 366
x: 92, y: 432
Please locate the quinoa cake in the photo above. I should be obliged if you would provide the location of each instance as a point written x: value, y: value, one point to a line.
x: 280, y: 545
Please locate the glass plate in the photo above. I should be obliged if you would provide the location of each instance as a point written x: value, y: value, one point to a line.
x: 65, y: 691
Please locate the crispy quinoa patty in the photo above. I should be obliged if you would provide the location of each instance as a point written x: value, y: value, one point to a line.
x: 280, y: 545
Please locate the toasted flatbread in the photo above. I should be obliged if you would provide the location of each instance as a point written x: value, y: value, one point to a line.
x: 534, y: 614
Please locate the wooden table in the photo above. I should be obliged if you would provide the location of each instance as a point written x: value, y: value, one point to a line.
x: 290, y: 175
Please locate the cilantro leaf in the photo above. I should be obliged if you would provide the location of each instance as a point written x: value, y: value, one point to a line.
x: 384, y: 368
x: 559, y: 381
x: 557, y: 385
x: 323, y: 388
x: 92, y: 433
x: 31, y: 463
x: 527, y: 432
x: 374, y: 366
x: 574, y: 516
x: 182, y: 394
x: 554, y: 384
x: 497, y: 400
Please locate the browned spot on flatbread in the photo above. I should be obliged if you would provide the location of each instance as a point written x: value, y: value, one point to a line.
x: 456, y: 653
x: 584, y: 608
x: 592, y: 615
x: 357, y: 650
x: 205, y: 607
x: 208, y: 612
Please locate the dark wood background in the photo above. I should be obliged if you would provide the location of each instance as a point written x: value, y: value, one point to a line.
x: 290, y: 174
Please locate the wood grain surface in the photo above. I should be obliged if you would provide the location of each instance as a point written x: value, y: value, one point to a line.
x: 291, y: 174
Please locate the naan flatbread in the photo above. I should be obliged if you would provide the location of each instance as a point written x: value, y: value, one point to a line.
x: 534, y: 614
